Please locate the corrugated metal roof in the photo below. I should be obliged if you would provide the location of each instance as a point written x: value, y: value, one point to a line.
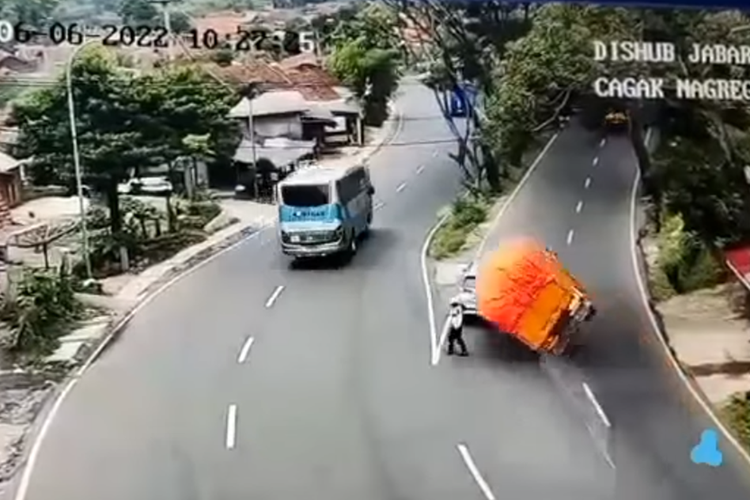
x: 8, y: 163
x: 279, y: 152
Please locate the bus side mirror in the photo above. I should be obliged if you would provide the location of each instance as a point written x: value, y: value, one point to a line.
x: 371, y: 190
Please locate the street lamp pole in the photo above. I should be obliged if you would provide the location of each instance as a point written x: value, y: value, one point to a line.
x: 77, y: 156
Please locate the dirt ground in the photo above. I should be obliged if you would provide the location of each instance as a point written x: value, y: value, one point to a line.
x: 710, y: 332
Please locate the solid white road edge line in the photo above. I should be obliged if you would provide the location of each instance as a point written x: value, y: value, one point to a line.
x: 464, y: 451
x: 569, y: 239
x: 587, y: 183
x: 401, y: 187
x: 597, y: 407
x: 437, y: 342
x: 46, y: 423
x: 245, y: 351
x: 655, y: 325
x: 275, y: 295
x: 231, y: 437
x: 579, y: 206
x: 434, y: 347
x: 36, y: 446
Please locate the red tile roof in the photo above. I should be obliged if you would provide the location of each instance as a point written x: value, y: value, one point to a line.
x: 312, y: 81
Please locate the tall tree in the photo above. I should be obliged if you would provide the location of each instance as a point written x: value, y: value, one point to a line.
x: 371, y: 73
x: 139, y: 12
x: 109, y: 145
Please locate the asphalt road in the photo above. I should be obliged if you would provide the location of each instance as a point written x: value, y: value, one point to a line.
x: 334, y: 396
x: 578, y: 202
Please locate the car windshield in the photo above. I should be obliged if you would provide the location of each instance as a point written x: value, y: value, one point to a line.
x: 305, y: 196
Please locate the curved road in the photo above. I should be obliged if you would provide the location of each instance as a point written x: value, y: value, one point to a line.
x: 335, y: 397
x: 578, y: 201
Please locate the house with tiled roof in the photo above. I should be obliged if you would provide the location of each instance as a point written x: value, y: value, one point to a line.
x: 300, y: 103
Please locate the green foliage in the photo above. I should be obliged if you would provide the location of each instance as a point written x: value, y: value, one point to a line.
x: 138, y: 12
x: 684, y: 263
x: 373, y: 25
x: 372, y: 74
x: 193, y: 214
x: 40, y: 311
x: 223, y: 57
x: 465, y: 216
x: 552, y: 61
x: 32, y: 13
x: 710, y: 192
x: 124, y: 123
x: 737, y: 414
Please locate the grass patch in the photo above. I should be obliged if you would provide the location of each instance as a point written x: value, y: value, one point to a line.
x: 736, y: 414
x: 465, y: 216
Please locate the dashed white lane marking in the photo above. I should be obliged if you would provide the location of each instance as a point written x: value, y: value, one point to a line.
x: 587, y: 183
x: 464, y: 451
x: 602, y: 444
x: 570, y: 237
x: 603, y: 142
x: 231, y: 427
x: 596, y: 161
x: 434, y: 153
x: 579, y: 207
x: 274, y: 296
x: 401, y: 187
x: 420, y: 169
x: 378, y: 205
x: 245, y: 350
x: 597, y: 406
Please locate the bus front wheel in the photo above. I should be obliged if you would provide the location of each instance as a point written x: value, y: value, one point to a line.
x: 352, y: 249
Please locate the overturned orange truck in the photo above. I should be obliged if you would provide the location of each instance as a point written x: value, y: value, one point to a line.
x: 524, y: 291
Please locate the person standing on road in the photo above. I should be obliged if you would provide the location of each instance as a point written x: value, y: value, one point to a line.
x: 456, y: 329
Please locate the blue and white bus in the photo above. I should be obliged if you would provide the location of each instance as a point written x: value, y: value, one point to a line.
x: 324, y: 210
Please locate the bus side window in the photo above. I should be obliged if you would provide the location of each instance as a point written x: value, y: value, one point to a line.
x: 346, y: 193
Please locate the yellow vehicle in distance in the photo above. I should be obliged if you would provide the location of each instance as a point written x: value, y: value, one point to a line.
x: 616, y: 120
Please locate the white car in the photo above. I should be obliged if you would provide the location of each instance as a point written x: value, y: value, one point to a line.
x: 146, y: 186
x: 467, y: 297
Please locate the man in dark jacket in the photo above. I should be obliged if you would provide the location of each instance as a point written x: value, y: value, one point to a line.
x: 456, y: 329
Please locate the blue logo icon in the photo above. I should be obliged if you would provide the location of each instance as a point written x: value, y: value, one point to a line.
x: 707, y: 451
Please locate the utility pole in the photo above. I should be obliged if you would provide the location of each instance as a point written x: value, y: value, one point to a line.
x: 250, y: 92
x: 251, y: 129
x: 167, y: 25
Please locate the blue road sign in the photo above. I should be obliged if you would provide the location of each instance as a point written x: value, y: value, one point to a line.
x: 462, y: 99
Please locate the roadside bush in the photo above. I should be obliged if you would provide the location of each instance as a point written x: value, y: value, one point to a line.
x: 39, y: 311
x: 685, y: 264
x: 195, y: 214
x: 466, y: 214
x: 659, y: 285
x: 737, y: 415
